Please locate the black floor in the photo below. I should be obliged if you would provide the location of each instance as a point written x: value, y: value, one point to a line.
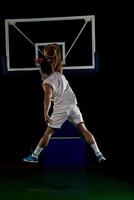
x: 34, y: 182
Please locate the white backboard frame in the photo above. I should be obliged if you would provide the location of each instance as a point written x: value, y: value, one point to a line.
x: 87, y: 18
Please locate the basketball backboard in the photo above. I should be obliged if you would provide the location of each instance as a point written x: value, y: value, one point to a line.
x: 25, y: 39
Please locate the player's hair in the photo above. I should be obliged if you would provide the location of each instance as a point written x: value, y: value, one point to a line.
x: 52, y: 52
x: 46, y: 66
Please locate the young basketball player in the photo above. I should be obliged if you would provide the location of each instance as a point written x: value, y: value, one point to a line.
x: 57, y: 88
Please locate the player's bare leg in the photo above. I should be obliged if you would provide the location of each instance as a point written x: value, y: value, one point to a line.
x: 90, y: 140
x: 42, y: 143
x: 46, y: 137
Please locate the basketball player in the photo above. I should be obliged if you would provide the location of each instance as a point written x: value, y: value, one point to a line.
x: 57, y: 88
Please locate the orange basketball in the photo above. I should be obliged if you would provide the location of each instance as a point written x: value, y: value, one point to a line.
x: 49, y: 51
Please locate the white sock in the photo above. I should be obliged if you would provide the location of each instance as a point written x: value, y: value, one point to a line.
x: 37, y: 151
x: 96, y: 149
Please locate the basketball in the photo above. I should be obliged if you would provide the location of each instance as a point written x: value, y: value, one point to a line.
x: 49, y: 51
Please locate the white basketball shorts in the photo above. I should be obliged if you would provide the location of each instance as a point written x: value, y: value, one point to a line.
x: 60, y: 115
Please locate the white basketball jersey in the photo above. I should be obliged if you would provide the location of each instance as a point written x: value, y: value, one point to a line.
x: 63, y: 95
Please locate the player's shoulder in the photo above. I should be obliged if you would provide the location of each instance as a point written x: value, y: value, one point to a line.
x: 56, y: 73
x: 47, y: 79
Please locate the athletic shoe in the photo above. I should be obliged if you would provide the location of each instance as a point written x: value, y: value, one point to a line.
x: 101, y: 158
x: 31, y: 159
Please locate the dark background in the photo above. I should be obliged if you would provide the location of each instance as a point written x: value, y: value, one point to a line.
x: 104, y: 96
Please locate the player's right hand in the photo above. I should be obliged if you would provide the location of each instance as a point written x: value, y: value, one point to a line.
x: 47, y: 119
